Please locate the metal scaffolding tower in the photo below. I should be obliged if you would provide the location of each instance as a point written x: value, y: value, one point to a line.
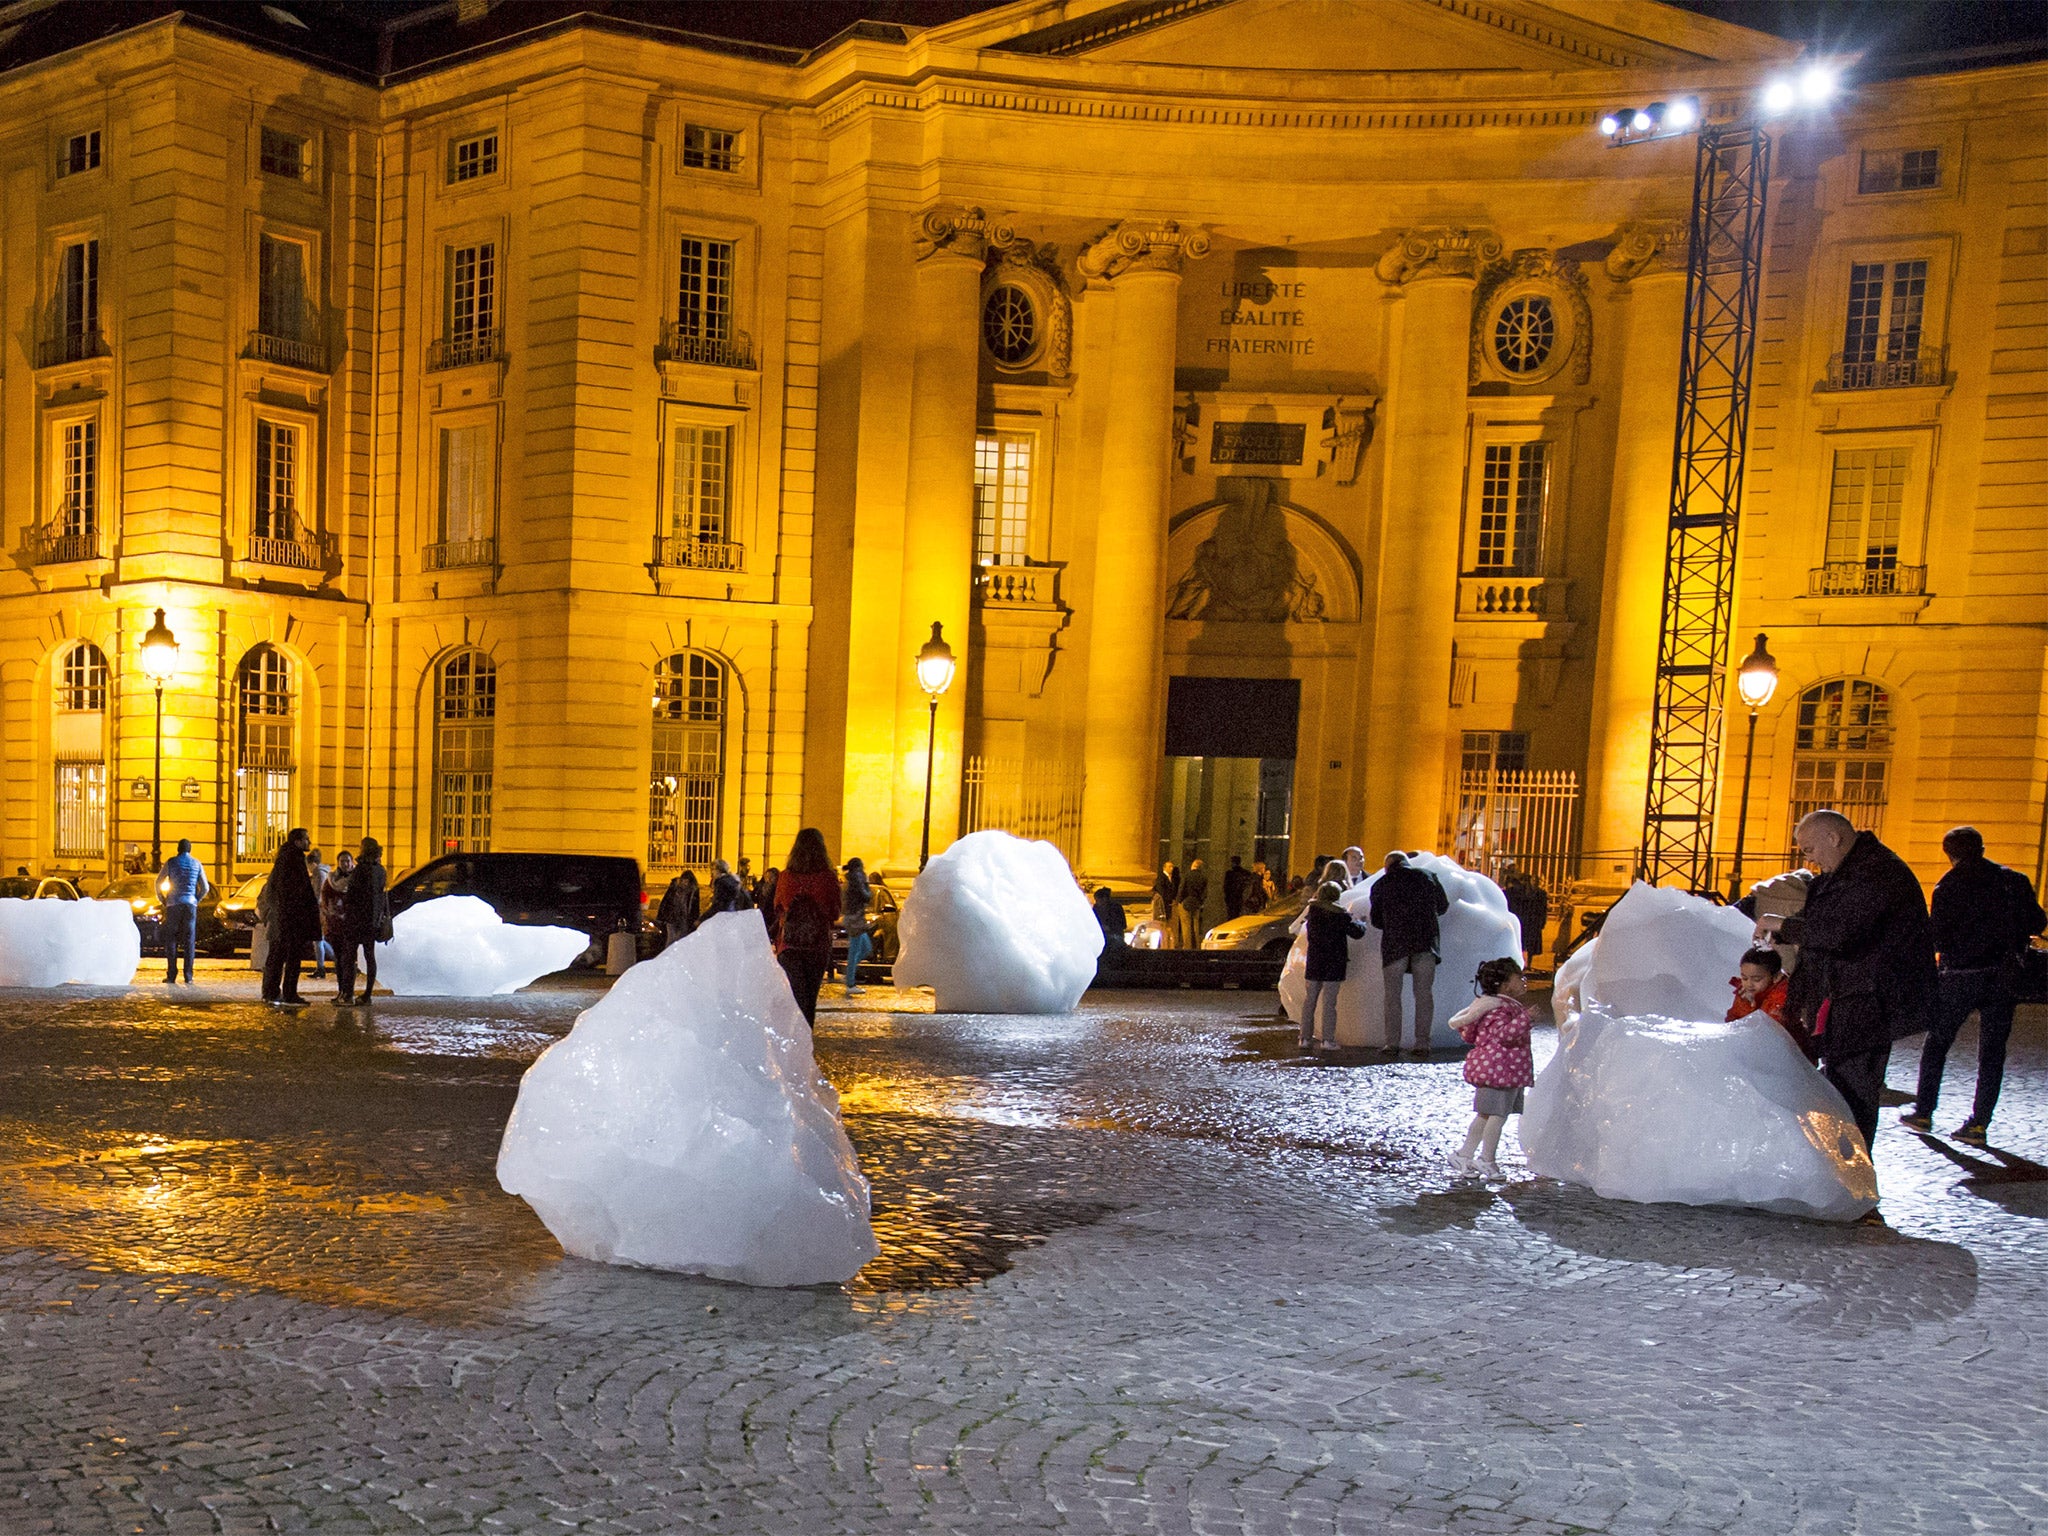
x: 1724, y: 271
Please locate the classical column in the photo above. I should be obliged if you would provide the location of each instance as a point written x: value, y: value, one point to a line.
x: 1432, y: 273
x: 1649, y: 264
x: 938, y: 519
x: 1140, y: 264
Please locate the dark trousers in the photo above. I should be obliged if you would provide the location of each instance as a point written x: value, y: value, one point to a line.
x: 180, y: 928
x: 806, y: 973
x: 281, y: 965
x: 1859, y: 1078
x: 346, y: 947
x: 1986, y: 994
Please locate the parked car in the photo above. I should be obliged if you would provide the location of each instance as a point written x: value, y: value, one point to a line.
x: 144, y: 895
x: 28, y: 888
x: 238, y: 909
x: 882, y: 915
x: 1265, y: 931
x: 600, y: 895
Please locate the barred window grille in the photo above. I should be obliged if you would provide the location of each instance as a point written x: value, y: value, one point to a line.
x: 701, y: 507
x: 687, y: 780
x: 83, y: 685
x: 81, y: 810
x: 277, y: 481
x: 466, y: 709
x: 1512, y: 490
x: 472, y: 291
x: 79, y: 481
x: 704, y: 295
x: 1866, y: 503
x: 1841, y: 758
x: 1002, y: 497
x: 263, y: 775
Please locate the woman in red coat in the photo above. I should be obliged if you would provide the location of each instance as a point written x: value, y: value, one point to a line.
x: 806, y: 906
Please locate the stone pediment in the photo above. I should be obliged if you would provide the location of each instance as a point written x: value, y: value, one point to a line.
x: 1249, y: 557
x: 1397, y: 36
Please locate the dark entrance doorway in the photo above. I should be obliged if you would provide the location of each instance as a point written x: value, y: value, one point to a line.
x: 1228, y: 781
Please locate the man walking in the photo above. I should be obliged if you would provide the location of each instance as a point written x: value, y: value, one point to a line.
x: 1406, y: 903
x: 294, y: 919
x: 1866, y: 961
x: 1194, y: 895
x: 182, y: 882
x: 1984, y: 915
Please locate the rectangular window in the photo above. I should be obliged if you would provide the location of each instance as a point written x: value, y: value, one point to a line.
x: 281, y: 289
x: 473, y: 158
x: 282, y: 154
x: 263, y: 812
x: 81, y: 153
x: 1002, y: 497
x: 710, y: 149
x: 1886, y: 306
x: 1899, y: 170
x: 1511, y: 495
x: 81, y: 810
x: 277, y: 481
x: 704, y: 298
x: 472, y: 291
x: 466, y: 484
x: 700, y: 509
x: 1865, y: 505
x: 78, y: 486
x: 78, y: 296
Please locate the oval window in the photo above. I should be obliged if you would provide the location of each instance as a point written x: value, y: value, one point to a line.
x: 1009, y: 325
x: 1524, y: 334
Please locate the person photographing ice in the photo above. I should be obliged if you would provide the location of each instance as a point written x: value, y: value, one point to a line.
x: 1499, y: 1066
x: 1406, y: 903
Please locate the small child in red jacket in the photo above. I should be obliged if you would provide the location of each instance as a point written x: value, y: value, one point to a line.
x: 1763, y: 987
x: 1499, y: 1066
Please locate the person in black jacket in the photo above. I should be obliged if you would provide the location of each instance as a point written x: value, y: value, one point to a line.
x: 1866, y: 961
x: 1330, y: 930
x: 1406, y: 903
x: 1235, y: 879
x: 1984, y: 916
x: 727, y: 894
x: 365, y: 920
x: 294, y: 918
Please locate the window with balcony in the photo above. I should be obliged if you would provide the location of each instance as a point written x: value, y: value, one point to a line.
x: 1507, y: 538
x: 277, y: 483
x: 287, y: 330
x: 1881, y: 339
x: 699, y: 523
x: 468, y: 487
x: 81, y: 153
x: 1866, y: 510
x: 72, y: 531
x: 465, y: 741
x: 473, y: 158
x: 472, y: 307
x: 281, y: 154
x: 1002, y: 497
x: 703, y: 331
x: 1841, y: 754
x: 75, y: 323
x: 1898, y: 170
x: 688, y: 778
x: 710, y: 149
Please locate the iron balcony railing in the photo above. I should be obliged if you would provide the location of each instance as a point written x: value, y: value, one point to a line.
x: 304, y: 551
x: 71, y: 347
x: 454, y: 554
x: 699, y: 554
x: 1846, y: 372
x: 682, y: 345
x: 1856, y: 578
x: 289, y: 351
x: 465, y: 348
x: 57, y: 545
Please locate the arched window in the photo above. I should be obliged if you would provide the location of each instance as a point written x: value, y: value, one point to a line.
x: 685, y: 791
x: 78, y: 746
x: 465, y: 730
x: 263, y: 760
x: 1842, y: 753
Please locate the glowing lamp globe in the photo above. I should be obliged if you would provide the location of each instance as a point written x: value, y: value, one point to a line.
x: 1779, y: 96
x: 935, y: 664
x: 159, y: 651
x: 1757, y: 678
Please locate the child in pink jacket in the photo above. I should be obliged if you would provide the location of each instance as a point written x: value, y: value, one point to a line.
x: 1498, y: 1066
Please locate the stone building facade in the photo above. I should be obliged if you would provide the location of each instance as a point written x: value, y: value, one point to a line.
x: 567, y: 439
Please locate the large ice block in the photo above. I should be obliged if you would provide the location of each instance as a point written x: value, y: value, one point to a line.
x: 1652, y: 1097
x: 682, y: 1125
x: 996, y: 924
x: 457, y: 946
x: 50, y: 943
x: 1478, y: 927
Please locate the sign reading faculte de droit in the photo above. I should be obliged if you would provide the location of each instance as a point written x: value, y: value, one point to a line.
x: 1277, y: 443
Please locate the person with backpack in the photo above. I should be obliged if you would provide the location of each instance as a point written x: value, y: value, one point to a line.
x: 807, y: 906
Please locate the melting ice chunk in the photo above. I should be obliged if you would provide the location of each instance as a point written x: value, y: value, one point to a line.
x: 996, y: 924
x: 683, y: 1125
x: 457, y: 946
x: 49, y: 943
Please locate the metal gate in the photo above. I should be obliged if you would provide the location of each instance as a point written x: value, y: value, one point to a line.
x: 1038, y: 800
x: 1524, y: 817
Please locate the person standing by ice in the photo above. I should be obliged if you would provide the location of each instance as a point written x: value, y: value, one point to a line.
x: 1354, y: 866
x: 1194, y: 895
x: 853, y: 917
x: 365, y: 919
x: 333, y: 890
x: 1330, y: 932
x: 294, y: 919
x: 1984, y: 917
x: 807, y: 901
x: 1866, y: 958
x: 677, y: 913
x: 183, y: 883
x: 727, y: 894
x: 1406, y: 903
x: 1499, y: 1066
x: 1165, y: 896
x: 1761, y: 986
x: 1109, y: 917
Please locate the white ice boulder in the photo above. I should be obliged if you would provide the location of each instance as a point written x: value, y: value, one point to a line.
x: 50, y: 943
x: 1651, y: 1096
x: 1477, y: 927
x: 457, y: 946
x: 996, y: 924
x: 683, y: 1125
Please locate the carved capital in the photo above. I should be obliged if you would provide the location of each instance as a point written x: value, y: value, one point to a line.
x: 1439, y: 251
x: 1648, y: 245
x: 1141, y: 247
x: 963, y: 232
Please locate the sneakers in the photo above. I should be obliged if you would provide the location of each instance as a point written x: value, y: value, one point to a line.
x: 1328, y: 1047
x: 1913, y: 1120
x: 1488, y: 1168
x: 1973, y: 1133
x: 1469, y: 1166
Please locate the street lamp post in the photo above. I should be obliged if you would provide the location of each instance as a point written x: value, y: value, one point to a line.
x: 934, y: 676
x: 159, y: 660
x: 1756, y: 680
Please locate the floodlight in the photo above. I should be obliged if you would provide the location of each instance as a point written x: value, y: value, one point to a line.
x: 1642, y: 122
x: 1681, y: 115
x: 1779, y: 96
x: 1610, y: 124
x: 1816, y: 84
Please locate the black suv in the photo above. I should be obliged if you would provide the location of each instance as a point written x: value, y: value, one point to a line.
x: 591, y: 892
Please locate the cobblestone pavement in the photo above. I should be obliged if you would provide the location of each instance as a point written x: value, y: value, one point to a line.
x: 1143, y: 1272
